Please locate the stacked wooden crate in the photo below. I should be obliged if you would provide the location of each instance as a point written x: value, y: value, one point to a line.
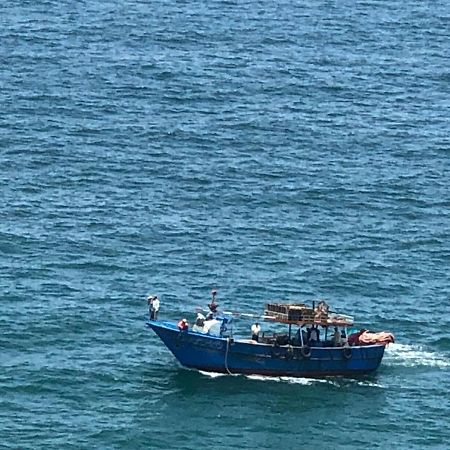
x: 289, y: 312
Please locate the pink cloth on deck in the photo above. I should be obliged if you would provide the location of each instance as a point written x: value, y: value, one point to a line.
x: 383, y: 337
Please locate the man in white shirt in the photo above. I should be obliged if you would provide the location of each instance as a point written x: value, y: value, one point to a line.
x: 150, y: 299
x: 154, y: 308
x: 255, y: 331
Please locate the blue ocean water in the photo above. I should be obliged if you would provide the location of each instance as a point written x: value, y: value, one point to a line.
x: 271, y: 150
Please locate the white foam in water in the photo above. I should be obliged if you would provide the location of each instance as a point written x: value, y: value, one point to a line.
x: 213, y: 374
x: 369, y: 384
x: 312, y: 381
x: 414, y: 356
x: 305, y: 381
x: 290, y: 380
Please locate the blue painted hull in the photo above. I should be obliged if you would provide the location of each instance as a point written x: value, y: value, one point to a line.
x: 217, y: 354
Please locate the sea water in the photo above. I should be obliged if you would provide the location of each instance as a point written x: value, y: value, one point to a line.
x: 274, y: 151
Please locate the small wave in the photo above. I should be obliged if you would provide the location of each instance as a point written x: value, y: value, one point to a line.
x: 414, y: 356
x: 443, y: 343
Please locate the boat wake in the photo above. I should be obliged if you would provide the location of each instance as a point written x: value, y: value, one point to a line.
x: 290, y: 380
x: 334, y: 381
x: 294, y: 380
x: 413, y: 356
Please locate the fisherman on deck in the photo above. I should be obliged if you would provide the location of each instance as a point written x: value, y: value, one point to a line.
x: 337, y: 339
x: 153, y: 306
x: 255, y: 331
x: 183, y: 325
x: 344, y: 338
x: 150, y: 305
x: 199, y: 323
x: 313, y: 336
x: 212, y: 306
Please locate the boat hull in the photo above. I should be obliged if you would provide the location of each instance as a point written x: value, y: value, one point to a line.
x: 225, y: 355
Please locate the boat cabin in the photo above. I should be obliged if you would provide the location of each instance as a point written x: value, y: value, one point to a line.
x: 315, y: 326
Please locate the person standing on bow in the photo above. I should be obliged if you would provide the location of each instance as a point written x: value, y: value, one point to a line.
x: 153, y: 305
x: 150, y: 305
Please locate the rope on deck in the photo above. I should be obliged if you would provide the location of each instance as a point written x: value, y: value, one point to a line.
x: 226, y: 356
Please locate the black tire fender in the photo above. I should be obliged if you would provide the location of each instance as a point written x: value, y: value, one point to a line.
x: 289, y: 352
x: 305, y: 351
x: 276, y: 351
x: 347, y: 352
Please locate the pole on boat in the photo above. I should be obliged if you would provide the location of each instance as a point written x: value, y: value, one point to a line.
x: 238, y: 314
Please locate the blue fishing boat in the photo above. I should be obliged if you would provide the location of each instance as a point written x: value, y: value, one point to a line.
x: 294, y: 348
